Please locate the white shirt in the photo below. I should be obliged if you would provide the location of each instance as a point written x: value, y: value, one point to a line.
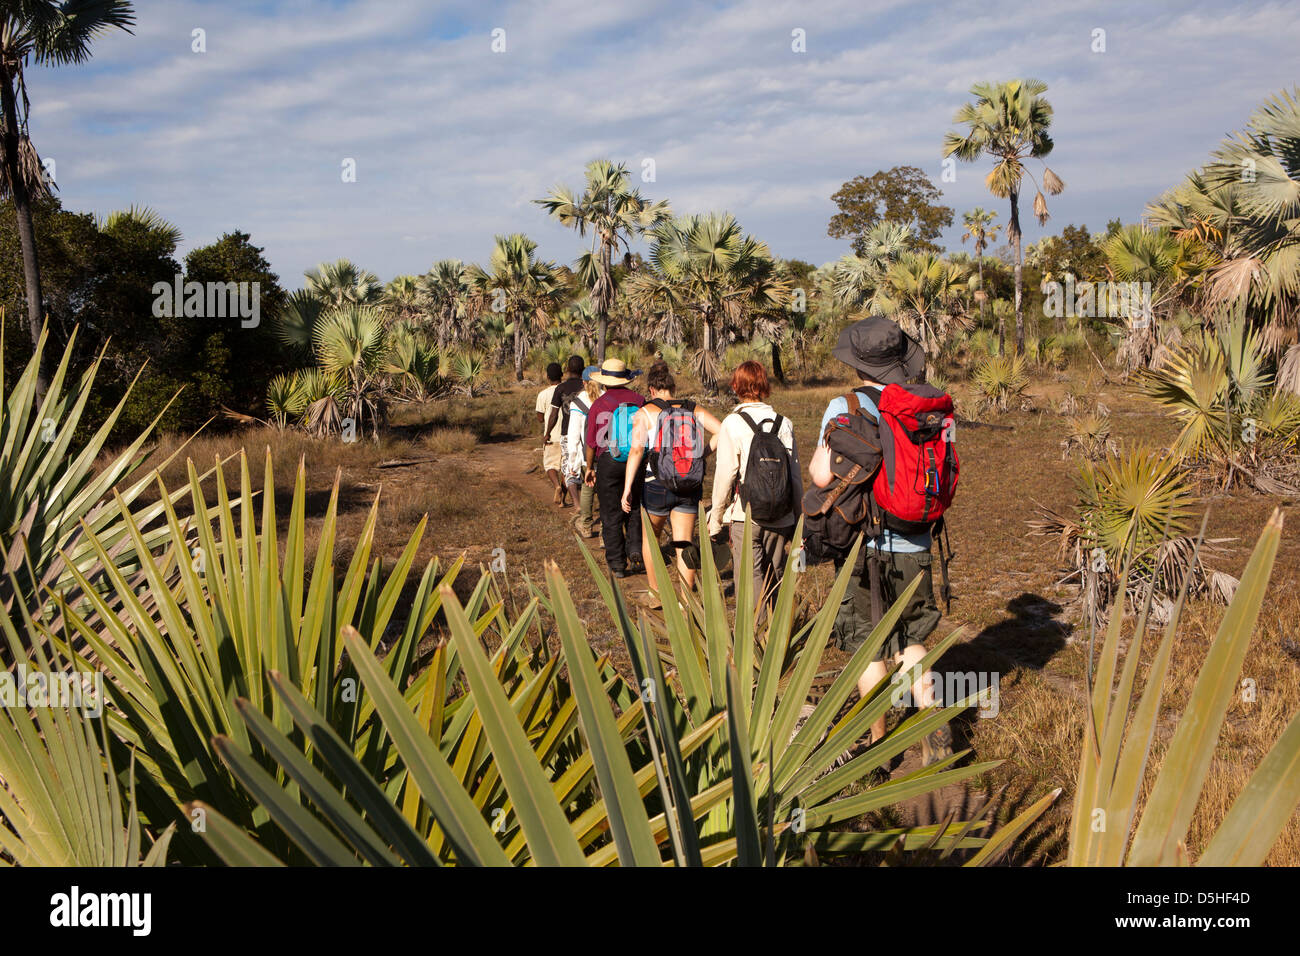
x: 734, y: 439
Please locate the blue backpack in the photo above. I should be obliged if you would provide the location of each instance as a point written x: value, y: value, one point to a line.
x: 620, y: 431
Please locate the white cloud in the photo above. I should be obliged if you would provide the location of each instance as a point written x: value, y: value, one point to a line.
x: 452, y: 141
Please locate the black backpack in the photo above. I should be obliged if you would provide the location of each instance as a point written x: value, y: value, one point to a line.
x: 835, y: 515
x: 767, y: 489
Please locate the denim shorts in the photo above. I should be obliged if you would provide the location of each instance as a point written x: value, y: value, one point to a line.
x: 659, y: 501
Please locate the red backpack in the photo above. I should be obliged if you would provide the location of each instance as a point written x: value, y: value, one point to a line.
x: 918, y: 475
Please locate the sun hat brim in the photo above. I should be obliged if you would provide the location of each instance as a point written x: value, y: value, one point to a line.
x: 615, y: 380
x: 891, y: 371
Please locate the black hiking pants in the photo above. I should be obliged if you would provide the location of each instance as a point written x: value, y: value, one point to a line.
x: 620, y: 531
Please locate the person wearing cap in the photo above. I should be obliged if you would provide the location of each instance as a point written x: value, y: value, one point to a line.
x: 557, y: 416
x: 620, y: 530
x: 575, y: 458
x: 882, y: 354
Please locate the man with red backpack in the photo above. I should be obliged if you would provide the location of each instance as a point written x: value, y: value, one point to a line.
x: 886, y: 465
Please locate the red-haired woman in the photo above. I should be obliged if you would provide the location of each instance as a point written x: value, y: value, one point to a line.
x: 771, y: 539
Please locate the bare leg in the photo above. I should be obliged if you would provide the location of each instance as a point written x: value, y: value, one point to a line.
x: 872, y: 676
x: 657, y: 522
x: 683, y: 525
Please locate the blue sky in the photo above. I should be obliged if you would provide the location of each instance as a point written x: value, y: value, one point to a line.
x: 452, y: 140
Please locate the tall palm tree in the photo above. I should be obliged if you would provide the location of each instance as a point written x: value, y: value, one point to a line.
x: 1008, y: 121
x: 979, y: 227
x: 613, y: 212
x: 518, y: 286
x: 343, y: 283
x: 722, y: 276
x: 48, y: 34
x: 443, y: 289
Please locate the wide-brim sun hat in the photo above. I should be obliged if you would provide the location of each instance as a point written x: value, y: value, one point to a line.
x: 878, y: 349
x: 614, y: 372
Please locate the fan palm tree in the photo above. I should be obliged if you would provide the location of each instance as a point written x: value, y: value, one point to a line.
x: 979, y: 227
x: 927, y: 295
x: 1171, y: 267
x: 351, y: 345
x: 519, y: 287
x: 401, y: 299
x: 613, y: 213
x: 443, y: 289
x: 343, y: 283
x: 1244, y: 206
x: 722, y: 276
x: 48, y: 34
x: 1008, y: 121
x: 856, y: 279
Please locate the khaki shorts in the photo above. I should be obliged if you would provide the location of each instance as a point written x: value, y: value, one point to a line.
x: 854, y: 621
x: 552, y: 456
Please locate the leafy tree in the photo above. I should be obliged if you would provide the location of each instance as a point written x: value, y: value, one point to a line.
x: 1009, y: 122
x: 254, y: 353
x: 903, y: 195
x: 50, y: 34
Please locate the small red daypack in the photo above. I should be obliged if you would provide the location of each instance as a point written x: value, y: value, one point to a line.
x: 918, y: 474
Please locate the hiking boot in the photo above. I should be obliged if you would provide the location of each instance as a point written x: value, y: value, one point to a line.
x: 936, y: 745
x: 621, y: 573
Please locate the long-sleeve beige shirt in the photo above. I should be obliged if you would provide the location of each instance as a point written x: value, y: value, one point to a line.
x: 734, y: 439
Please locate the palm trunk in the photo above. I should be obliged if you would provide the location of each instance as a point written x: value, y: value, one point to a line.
x: 983, y: 291
x: 519, y: 350
x: 1014, y: 229
x: 777, y: 372
x: 26, y: 231
x: 604, y: 301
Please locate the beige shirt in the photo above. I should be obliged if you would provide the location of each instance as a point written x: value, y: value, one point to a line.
x: 734, y: 440
x: 544, y: 409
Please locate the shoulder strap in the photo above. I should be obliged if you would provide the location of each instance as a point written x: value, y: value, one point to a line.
x: 749, y: 421
x: 851, y: 399
x: 582, y: 405
x: 776, y: 425
x: 658, y: 403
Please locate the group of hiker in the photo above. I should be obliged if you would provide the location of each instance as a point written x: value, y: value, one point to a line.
x: 884, y: 469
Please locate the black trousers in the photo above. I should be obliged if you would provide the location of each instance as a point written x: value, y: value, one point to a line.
x: 620, y: 531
